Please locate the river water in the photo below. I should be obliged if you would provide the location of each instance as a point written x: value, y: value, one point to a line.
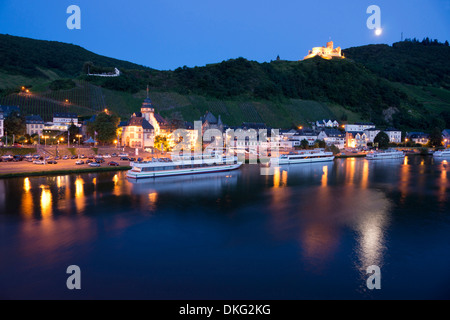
x: 307, y: 232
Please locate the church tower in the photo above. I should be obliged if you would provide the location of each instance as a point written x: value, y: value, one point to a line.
x: 148, y: 112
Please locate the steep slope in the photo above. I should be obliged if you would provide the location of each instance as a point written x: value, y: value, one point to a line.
x: 405, y: 85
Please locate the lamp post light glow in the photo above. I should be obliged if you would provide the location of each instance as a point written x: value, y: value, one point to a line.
x: 79, y: 139
x: 45, y: 139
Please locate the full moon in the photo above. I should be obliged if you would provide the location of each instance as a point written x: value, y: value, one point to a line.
x: 378, y: 32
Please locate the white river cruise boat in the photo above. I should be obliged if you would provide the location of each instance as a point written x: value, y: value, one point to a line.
x: 442, y: 154
x: 387, y: 154
x: 185, y: 165
x: 307, y: 156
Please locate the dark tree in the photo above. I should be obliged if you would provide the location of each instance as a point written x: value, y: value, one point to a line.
x: 435, y: 138
x: 73, y: 131
x: 382, y: 139
x: 106, y: 127
x: 304, y: 144
x: 15, y: 124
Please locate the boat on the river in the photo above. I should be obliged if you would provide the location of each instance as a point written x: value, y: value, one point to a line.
x: 385, y: 154
x: 306, y: 156
x: 183, y: 165
x: 442, y: 153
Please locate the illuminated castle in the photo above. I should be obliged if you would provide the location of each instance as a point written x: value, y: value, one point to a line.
x: 327, y: 52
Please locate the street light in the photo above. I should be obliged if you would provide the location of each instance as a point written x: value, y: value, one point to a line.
x: 45, y: 138
x: 79, y: 139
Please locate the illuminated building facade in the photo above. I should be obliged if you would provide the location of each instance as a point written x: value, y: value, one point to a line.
x: 327, y: 52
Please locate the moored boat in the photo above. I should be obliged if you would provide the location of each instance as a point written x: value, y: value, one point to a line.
x: 184, y: 165
x: 385, y: 154
x: 442, y: 153
x: 306, y: 156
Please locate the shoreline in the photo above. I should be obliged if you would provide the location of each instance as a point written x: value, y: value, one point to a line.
x: 62, y: 172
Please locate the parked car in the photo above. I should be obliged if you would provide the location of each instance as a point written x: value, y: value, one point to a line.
x: 94, y: 164
x: 132, y: 159
x: 106, y: 156
x: 79, y: 162
x: 73, y: 157
x: 17, y: 158
x: 114, y: 155
x: 52, y: 162
x: 99, y: 160
x: 57, y: 158
x: 124, y: 159
x: 40, y: 162
x: 82, y: 156
x: 123, y: 155
x: 65, y: 158
x: 113, y: 164
x: 7, y: 158
x: 89, y: 161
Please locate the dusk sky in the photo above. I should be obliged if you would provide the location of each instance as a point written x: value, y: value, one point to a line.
x: 166, y: 34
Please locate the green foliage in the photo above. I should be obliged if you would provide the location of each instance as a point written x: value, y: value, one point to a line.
x: 162, y: 144
x: 279, y: 93
x: 435, y: 138
x: 105, y: 126
x: 382, y: 139
x: 26, y: 56
x: 15, y: 124
x: 411, y: 62
x: 17, y: 151
x: 61, y: 84
x: 333, y: 149
x: 304, y: 144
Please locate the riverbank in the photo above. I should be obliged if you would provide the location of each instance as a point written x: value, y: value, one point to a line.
x: 28, y: 169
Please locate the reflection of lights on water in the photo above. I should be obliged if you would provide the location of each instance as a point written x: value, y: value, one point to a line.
x: 116, y: 179
x: 280, y: 178
x: 284, y: 176
x: 79, y: 194
x: 46, y: 202
x: 405, y: 161
x: 27, y: 199
x: 79, y: 188
x: 365, y: 175
x: 276, y: 178
x: 371, y: 240
x: 26, y: 185
x: 325, y: 176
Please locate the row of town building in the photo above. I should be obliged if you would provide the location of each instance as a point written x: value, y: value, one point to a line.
x: 35, y: 125
x: 143, y: 127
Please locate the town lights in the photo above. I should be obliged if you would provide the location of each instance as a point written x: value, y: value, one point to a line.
x: 79, y: 137
x: 45, y: 139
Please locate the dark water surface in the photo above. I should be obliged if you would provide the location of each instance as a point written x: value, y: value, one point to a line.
x: 308, y: 232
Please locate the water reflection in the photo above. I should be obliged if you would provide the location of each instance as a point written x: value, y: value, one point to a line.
x: 323, y: 208
x: 79, y: 194
x: 46, y: 202
x: 204, y: 184
x: 308, y: 218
